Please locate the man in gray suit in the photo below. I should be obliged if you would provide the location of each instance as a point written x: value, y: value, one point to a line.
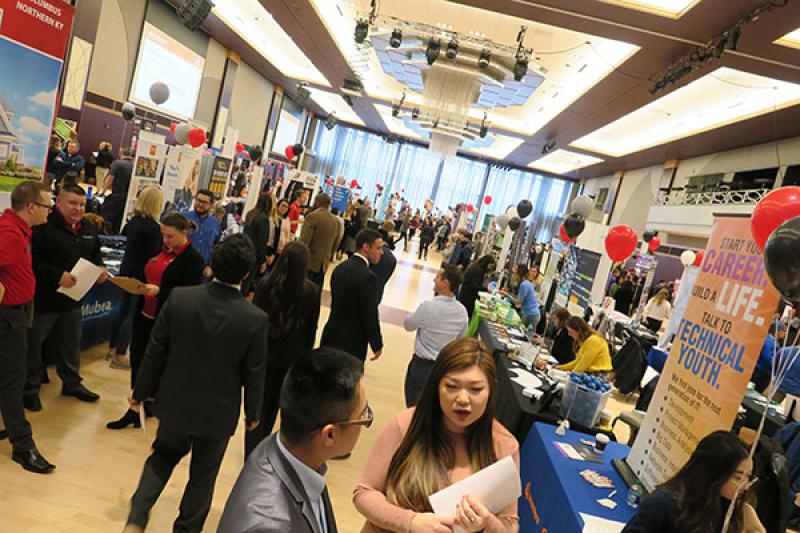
x: 281, y: 488
x: 207, y: 344
x: 321, y: 233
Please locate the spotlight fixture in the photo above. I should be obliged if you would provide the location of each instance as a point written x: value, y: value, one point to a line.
x: 330, y: 121
x: 520, y: 67
x: 362, y: 30
x: 452, y: 48
x: 484, y: 127
x: 548, y: 147
x: 397, y: 39
x: 349, y: 99
x: 432, y: 52
x: 395, y: 110
x: 732, y: 41
x: 484, y: 59
x: 415, y: 113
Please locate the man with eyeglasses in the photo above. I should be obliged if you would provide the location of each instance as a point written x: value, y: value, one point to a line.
x: 30, y: 205
x: 282, y: 485
x: 209, y: 229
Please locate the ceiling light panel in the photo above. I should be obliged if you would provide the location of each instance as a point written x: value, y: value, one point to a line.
x: 573, y: 67
x: 333, y: 103
x: 253, y: 23
x: 564, y: 162
x: 665, y: 8
x: 499, y: 149
x: 719, y: 98
x: 791, y: 39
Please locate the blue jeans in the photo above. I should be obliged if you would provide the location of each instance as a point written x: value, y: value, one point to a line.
x: 122, y: 328
x: 531, y: 321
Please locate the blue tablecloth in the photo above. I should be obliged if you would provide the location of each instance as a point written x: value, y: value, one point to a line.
x: 99, y: 308
x: 553, y: 492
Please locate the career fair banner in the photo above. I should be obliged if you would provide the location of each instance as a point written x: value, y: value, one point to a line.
x: 715, y: 348
x: 33, y: 41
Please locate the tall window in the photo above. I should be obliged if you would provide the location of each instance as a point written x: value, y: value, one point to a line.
x: 461, y: 182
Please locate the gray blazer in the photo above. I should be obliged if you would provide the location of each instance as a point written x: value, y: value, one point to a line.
x: 269, y: 497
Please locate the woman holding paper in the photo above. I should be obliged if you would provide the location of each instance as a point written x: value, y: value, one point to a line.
x: 177, y: 265
x: 448, y: 436
x: 697, y: 498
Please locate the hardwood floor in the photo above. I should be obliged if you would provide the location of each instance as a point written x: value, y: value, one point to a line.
x: 98, y: 469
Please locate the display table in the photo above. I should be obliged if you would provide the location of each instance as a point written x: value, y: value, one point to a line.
x: 554, y: 494
x: 754, y: 404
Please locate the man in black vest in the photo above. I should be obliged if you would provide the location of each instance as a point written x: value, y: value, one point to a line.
x: 208, y: 342
x: 56, y: 247
x: 353, y: 322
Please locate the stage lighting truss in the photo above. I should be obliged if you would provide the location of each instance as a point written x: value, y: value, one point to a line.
x: 431, y: 121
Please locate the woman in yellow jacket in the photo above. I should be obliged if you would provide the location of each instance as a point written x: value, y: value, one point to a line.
x: 592, y: 350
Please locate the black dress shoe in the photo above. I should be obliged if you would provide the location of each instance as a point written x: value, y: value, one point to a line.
x: 130, y: 418
x: 45, y: 376
x: 32, y: 402
x: 80, y: 392
x: 32, y: 461
x: 3, y: 434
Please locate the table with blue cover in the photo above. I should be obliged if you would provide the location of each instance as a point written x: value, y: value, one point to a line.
x: 553, y: 492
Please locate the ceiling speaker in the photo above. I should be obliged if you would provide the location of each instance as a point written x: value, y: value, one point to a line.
x: 193, y: 12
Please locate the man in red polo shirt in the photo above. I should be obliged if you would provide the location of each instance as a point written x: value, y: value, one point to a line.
x: 296, y: 209
x: 30, y: 205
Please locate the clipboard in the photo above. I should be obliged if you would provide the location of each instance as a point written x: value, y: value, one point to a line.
x: 129, y: 285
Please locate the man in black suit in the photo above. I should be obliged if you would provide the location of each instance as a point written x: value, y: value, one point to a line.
x: 282, y: 485
x: 353, y: 322
x: 208, y: 342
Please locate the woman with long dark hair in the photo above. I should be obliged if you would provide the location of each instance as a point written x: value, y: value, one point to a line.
x: 292, y: 303
x: 177, y: 265
x: 697, y: 498
x: 563, y: 348
x: 449, y: 435
x: 474, y: 281
x: 260, y: 227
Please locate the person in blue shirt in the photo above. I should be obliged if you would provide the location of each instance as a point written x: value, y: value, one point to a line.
x: 791, y: 383
x: 763, y: 369
x: 68, y: 161
x: 526, y: 300
x: 208, y: 229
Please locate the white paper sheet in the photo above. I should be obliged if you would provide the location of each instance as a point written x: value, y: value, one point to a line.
x: 496, y: 487
x: 87, y: 273
x: 525, y: 378
x: 595, y: 524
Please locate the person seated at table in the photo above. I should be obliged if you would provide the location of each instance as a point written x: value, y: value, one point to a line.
x: 697, y: 498
x: 593, y: 356
x: 657, y: 310
x: 763, y: 370
x: 563, y: 348
x: 450, y: 435
x: 474, y: 281
x: 526, y: 301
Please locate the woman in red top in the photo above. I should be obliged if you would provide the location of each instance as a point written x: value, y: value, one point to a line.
x: 178, y: 264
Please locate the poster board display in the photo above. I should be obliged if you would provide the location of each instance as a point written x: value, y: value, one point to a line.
x: 33, y: 43
x: 716, y: 346
x: 181, y: 177
x: 581, y: 291
x: 147, y: 167
x: 340, y: 196
x: 299, y: 179
x: 220, y: 174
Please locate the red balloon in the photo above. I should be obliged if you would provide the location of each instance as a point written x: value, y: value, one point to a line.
x: 620, y: 242
x: 487, y: 200
x: 654, y: 244
x: 470, y: 208
x: 172, y: 127
x: 563, y: 234
x: 353, y: 184
x: 698, y: 258
x: 239, y: 148
x: 773, y: 210
x: 197, y: 137
x: 289, y: 152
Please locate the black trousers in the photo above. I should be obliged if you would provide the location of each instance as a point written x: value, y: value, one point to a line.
x: 653, y: 324
x: 13, y: 345
x: 142, y: 327
x: 269, y: 408
x: 169, y: 448
x: 318, y: 278
x: 416, y: 376
x: 62, y: 331
x: 424, y: 244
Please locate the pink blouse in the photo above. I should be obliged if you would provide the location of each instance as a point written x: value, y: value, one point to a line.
x: 369, y: 496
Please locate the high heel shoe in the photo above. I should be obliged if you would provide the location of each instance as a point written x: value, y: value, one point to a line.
x: 130, y: 418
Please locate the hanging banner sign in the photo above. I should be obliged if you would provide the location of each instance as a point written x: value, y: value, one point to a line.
x: 716, y: 346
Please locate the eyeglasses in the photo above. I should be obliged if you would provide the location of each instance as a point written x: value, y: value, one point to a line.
x: 46, y: 206
x: 366, y: 419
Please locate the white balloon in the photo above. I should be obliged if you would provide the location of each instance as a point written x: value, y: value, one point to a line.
x: 688, y: 257
x: 511, y: 212
x: 159, y: 92
x: 582, y: 205
x: 502, y: 221
x: 182, y: 133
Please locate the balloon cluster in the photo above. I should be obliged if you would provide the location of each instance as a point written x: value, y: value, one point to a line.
x: 354, y: 184
x: 775, y: 225
x: 293, y: 150
x: 621, y: 242
x: 487, y: 199
x: 580, y: 208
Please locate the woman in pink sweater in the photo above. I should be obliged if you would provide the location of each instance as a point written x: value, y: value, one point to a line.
x: 450, y: 435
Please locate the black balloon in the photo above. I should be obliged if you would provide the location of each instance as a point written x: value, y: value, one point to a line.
x: 128, y: 111
x: 574, y: 225
x: 255, y: 152
x: 524, y: 208
x: 298, y: 149
x: 514, y: 223
x: 648, y: 236
x: 782, y: 259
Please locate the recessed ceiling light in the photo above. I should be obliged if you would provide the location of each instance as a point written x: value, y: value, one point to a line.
x: 791, y: 39
x: 719, y: 98
x: 564, y: 162
x: 333, y: 103
x: 254, y: 24
x: 664, y: 8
